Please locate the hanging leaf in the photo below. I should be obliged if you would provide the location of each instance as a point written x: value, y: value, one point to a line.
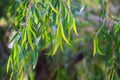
x: 60, y: 38
x: 13, y: 38
x: 23, y: 37
x: 55, y: 48
x: 8, y: 64
x: 95, y: 46
x: 54, y: 9
x: 74, y: 28
x: 35, y: 58
x: 30, y: 39
x: 15, y: 50
x: 63, y: 35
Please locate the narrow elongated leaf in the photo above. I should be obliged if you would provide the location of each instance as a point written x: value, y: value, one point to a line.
x: 55, y: 48
x: 59, y: 38
x: 95, y: 46
x: 35, y: 58
x: 38, y: 15
x: 63, y: 35
x: 13, y: 38
x: 8, y: 64
x: 54, y: 9
x: 98, y: 49
x: 30, y: 39
x: 74, y: 28
x: 24, y: 37
x: 15, y: 50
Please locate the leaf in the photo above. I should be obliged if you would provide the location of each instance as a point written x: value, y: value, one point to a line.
x: 54, y: 9
x: 74, y: 28
x: 35, y: 58
x: 30, y: 39
x: 59, y: 38
x: 95, y: 46
x: 63, y: 35
x: 55, y: 48
x: 68, y: 2
x: 98, y: 49
x: 30, y: 28
x: 24, y: 37
x: 38, y: 16
x: 8, y: 64
x: 13, y: 38
x: 15, y: 50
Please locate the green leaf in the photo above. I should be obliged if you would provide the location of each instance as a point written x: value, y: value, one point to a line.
x: 55, y: 48
x: 23, y: 37
x: 13, y: 38
x: 38, y: 15
x: 54, y: 9
x: 30, y: 28
x: 98, y: 49
x: 8, y: 64
x: 95, y: 46
x: 74, y: 28
x: 35, y: 58
x: 63, y: 35
x: 59, y: 38
x: 15, y: 50
x: 30, y: 39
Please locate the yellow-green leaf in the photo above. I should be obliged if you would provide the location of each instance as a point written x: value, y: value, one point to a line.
x: 8, y: 64
x: 74, y: 28
x: 54, y: 9
x: 55, y: 48
x: 24, y: 37
x: 95, y: 46
x: 15, y: 50
x: 59, y: 38
x: 63, y: 35
x: 30, y: 39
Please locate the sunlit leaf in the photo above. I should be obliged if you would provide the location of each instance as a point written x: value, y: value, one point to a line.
x: 63, y: 35
x: 55, y: 48
x: 54, y: 9
x: 74, y: 28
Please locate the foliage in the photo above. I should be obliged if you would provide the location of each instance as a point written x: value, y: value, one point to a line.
x: 38, y: 24
x: 41, y: 24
